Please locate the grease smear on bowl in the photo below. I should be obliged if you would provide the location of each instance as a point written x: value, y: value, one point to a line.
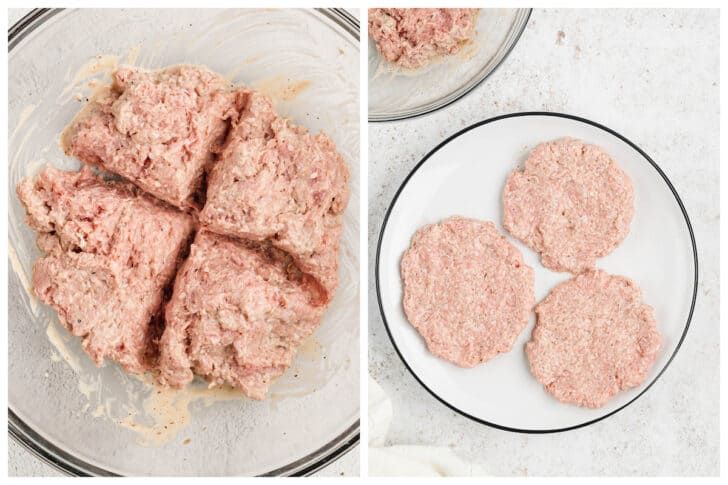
x: 282, y: 88
x: 157, y: 414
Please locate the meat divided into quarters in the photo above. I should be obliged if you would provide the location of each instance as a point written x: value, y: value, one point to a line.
x: 263, y: 265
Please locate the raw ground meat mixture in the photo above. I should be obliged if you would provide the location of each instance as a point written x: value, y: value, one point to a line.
x: 274, y: 181
x: 413, y: 37
x: 466, y: 290
x: 110, y: 253
x: 571, y: 203
x: 158, y: 129
x: 238, y: 313
x: 593, y: 338
x: 263, y: 265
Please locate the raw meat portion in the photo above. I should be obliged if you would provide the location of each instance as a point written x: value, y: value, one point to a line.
x: 158, y: 129
x: 110, y: 253
x: 593, y: 338
x: 275, y: 181
x: 264, y: 263
x: 466, y: 290
x: 412, y: 37
x: 571, y: 203
x: 238, y: 312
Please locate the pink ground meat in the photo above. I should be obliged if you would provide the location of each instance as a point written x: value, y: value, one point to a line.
x: 274, y: 181
x: 158, y: 129
x: 238, y: 313
x: 571, y: 203
x: 413, y: 37
x: 263, y: 265
x: 593, y: 338
x: 466, y: 290
x: 110, y: 253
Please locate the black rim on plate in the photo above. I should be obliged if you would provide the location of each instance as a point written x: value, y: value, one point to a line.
x: 556, y: 115
x: 66, y: 463
x: 459, y: 96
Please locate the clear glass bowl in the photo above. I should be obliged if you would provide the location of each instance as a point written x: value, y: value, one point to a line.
x: 396, y: 94
x: 101, y: 421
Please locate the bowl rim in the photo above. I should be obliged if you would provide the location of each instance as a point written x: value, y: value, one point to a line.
x: 523, y: 16
x: 69, y: 464
x: 647, y: 158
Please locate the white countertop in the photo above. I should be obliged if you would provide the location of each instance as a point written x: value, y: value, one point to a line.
x: 22, y: 463
x: 653, y: 76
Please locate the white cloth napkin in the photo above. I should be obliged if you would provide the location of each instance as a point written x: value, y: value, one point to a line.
x: 407, y: 460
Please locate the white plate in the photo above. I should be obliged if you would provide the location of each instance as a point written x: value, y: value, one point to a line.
x: 465, y: 176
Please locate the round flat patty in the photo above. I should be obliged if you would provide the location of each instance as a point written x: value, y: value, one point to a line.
x: 593, y: 338
x: 466, y: 290
x: 571, y: 203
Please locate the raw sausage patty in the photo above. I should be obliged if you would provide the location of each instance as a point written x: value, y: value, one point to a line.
x: 593, y: 338
x: 466, y: 290
x: 412, y: 37
x: 571, y: 203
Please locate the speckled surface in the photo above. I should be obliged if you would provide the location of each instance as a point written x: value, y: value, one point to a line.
x: 23, y: 463
x: 652, y: 75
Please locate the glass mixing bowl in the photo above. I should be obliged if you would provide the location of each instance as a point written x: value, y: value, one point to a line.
x: 396, y: 94
x: 101, y: 421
